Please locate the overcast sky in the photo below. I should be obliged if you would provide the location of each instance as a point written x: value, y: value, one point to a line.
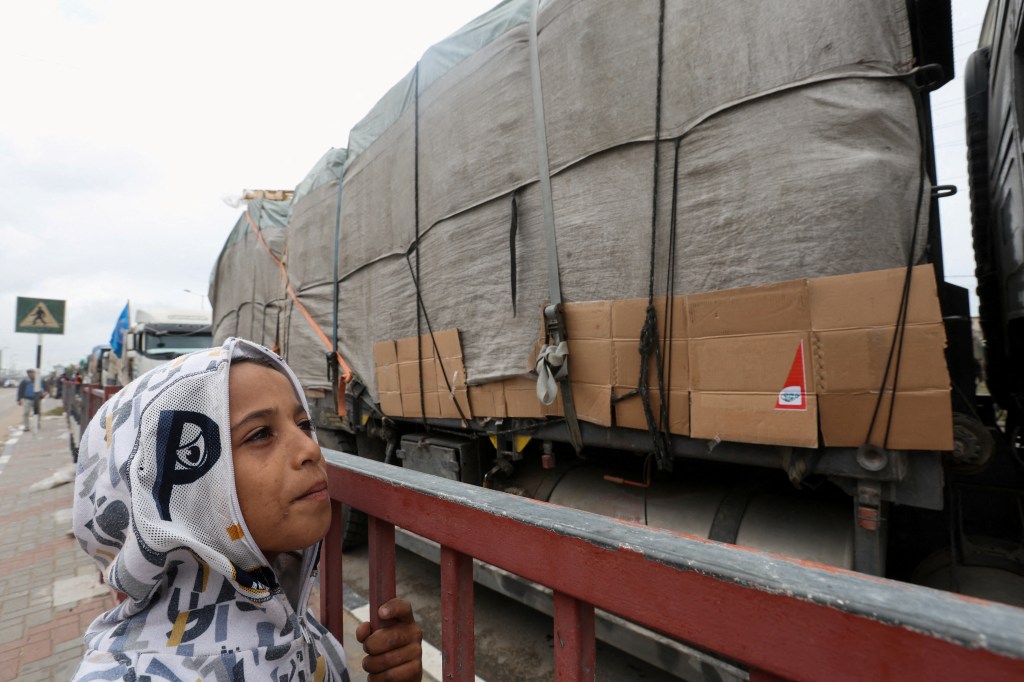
x: 124, y: 123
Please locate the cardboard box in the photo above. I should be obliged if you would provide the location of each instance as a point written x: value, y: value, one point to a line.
x: 521, y: 399
x: 427, y: 378
x: 385, y: 356
x: 488, y: 400
x: 782, y: 307
x: 604, y: 360
x: 872, y: 299
x: 854, y: 320
x: 450, y: 373
x: 629, y: 410
x: 750, y: 376
x: 921, y: 420
x: 793, y: 363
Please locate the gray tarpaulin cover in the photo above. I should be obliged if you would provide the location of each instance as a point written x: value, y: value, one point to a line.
x: 309, y: 255
x: 246, y: 288
x: 790, y: 149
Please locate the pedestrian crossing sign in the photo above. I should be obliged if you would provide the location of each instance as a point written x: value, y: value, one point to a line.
x: 39, y: 316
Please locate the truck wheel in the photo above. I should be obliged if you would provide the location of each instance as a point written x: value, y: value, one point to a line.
x: 353, y: 521
x: 353, y: 528
x: 983, y: 224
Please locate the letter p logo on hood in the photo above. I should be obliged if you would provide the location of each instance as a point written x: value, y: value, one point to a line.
x: 187, y: 446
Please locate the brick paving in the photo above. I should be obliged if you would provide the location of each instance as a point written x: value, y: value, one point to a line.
x: 49, y: 588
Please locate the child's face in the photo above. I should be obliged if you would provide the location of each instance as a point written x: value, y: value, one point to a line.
x: 280, y: 474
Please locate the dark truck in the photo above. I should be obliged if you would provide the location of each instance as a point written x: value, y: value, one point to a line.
x: 612, y: 256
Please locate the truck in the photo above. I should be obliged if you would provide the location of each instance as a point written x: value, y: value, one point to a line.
x: 151, y: 337
x: 610, y: 256
x: 156, y: 336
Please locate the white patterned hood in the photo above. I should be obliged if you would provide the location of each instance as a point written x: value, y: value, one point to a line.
x: 155, y: 506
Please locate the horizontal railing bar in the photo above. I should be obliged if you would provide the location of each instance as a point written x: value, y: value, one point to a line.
x: 798, y: 620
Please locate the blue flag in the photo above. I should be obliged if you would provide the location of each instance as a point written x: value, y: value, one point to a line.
x: 117, y: 337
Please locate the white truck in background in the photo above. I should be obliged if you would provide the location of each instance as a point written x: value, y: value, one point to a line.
x: 157, y: 335
x: 153, y: 336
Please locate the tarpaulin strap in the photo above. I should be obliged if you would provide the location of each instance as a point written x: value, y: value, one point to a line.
x: 553, y: 314
x: 551, y: 366
x: 347, y: 376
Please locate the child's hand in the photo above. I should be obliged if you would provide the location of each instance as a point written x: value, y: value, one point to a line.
x: 393, y: 651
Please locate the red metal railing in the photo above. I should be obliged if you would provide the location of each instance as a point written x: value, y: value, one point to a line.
x: 782, y: 619
x: 92, y: 396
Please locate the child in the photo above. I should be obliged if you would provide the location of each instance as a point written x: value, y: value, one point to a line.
x: 202, y: 495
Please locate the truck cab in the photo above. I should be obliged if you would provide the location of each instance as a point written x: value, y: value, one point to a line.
x: 160, y: 335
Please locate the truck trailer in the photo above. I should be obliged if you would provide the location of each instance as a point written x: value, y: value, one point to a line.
x: 678, y: 263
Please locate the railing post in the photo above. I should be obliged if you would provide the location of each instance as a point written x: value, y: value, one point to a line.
x: 457, y: 638
x: 381, y: 539
x: 574, y: 639
x: 331, y: 586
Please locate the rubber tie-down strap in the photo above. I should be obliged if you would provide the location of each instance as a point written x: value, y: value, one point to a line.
x: 544, y: 170
x: 554, y: 317
x: 551, y: 367
x: 347, y: 376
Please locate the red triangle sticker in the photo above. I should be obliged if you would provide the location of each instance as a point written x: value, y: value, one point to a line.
x: 793, y: 395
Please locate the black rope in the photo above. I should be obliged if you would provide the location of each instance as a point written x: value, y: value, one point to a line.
x: 657, y: 148
x: 437, y: 353
x: 899, y: 332
x: 513, y: 229
x: 670, y: 292
x: 649, y: 332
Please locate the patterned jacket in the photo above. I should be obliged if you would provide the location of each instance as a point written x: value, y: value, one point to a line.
x: 156, y: 507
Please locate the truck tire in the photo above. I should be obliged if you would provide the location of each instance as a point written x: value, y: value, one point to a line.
x: 353, y: 528
x: 990, y: 308
x: 353, y: 521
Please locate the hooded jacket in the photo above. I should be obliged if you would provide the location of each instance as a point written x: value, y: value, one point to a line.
x: 156, y: 507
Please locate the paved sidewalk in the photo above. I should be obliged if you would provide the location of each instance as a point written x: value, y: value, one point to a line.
x: 49, y: 588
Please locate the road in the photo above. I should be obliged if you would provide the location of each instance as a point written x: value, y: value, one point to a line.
x: 10, y: 411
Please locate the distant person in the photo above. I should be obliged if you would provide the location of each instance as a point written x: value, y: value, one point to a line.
x: 202, y: 494
x: 29, y: 398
